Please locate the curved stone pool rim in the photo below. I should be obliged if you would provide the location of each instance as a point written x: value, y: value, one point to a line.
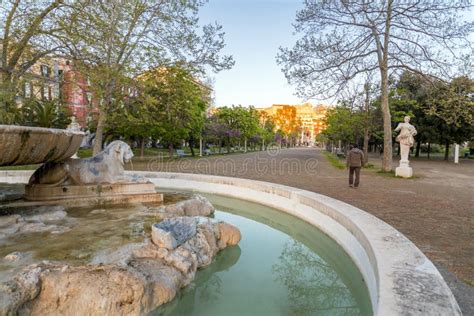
x: 400, y: 279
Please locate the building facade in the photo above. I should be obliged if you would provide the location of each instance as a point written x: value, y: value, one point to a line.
x: 55, y: 79
x: 76, y: 94
x: 310, y: 118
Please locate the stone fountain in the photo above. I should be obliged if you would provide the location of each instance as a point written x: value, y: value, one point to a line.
x: 68, y: 181
x: 132, y: 279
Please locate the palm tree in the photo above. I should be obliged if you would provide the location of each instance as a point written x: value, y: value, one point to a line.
x: 44, y: 114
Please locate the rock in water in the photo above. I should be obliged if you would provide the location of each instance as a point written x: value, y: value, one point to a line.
x: 42, y: 219
x: 171, y: 233
x: 14, y: 256
x: 47, y: 214
x: 195, y: 206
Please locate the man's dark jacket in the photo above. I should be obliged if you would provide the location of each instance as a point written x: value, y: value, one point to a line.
x: 355, y: 158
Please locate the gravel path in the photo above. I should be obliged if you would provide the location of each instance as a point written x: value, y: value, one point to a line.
x: 435, y: 209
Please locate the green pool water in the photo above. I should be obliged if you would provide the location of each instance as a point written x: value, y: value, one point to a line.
x: 282, y: 266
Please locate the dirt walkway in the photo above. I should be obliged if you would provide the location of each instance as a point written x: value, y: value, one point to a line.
x: 435, y: 209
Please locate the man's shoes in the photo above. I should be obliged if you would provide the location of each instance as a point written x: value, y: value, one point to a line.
x: 356, y: 187
x: 351, y: 186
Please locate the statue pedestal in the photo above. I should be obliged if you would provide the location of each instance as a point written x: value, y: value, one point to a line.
x: 85, y: 195
x: 404, y: 170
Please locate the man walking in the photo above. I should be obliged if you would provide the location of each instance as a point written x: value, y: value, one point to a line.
x: 355, y: 160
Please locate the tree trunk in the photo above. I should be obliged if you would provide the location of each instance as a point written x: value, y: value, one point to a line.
x: 228, y: 145
x: 387, y: 124
x: 382, y: 56
x: 366, y: 125
x: 446, y: 150
x: 245, y: 145
x: 99, y: 134
x: 142, y: 147
x: 171, y: 150
x: 366, y: 145
x: 200, y: 146
x: 7, y: 105
x: 418, y: 147
x: 191, y: 145
x: 7, y: 89
x: 429, y: 150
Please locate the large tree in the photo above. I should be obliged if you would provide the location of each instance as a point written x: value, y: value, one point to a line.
x: 28, y: 32
x: 342, y: 40
x: 442, y: 112
x: 122, y: 38
x: 287, y: 122
x: 344, y: 123
x: 453, y: 104
x: 267, y: 128
x: 169, y: 107
x: 239, y: 122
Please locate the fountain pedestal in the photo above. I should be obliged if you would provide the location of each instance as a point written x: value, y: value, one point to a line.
x: 120, y: 193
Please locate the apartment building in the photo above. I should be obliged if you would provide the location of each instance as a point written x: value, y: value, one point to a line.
x: 310, y: 118
x: 56, y: 79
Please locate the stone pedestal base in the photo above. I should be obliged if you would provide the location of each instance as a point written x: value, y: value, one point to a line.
x: 93, y: 194
x: 404, y: 172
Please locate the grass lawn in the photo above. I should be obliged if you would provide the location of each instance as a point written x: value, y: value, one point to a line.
x: 334, y: 160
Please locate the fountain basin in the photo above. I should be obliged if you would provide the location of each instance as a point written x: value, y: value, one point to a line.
x: 400, y: 279
x: 25, y: 145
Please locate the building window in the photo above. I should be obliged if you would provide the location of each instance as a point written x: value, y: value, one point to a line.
x: 50, y: 93
x: 56, y: 93
x: 45, y: 71
x: 89, y: 99
x: 42, y: 93
x: 27, y: 90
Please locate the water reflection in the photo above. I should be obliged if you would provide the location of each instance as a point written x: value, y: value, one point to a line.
x: 206, y: 287
x: 313, y: 286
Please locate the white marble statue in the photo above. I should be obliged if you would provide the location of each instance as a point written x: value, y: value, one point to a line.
x: 406, y: 141
x: 74, y: 126
x: 105, y: 167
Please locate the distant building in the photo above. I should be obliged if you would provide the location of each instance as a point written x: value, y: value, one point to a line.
x: 55, y: 79
x: 309, y: 116
x: 41, y: 81
x: 76, y: 94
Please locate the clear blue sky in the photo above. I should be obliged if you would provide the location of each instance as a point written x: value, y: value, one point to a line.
x: 254, y: 31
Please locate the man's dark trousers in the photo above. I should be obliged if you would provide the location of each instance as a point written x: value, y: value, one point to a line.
x: 353, y: 170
